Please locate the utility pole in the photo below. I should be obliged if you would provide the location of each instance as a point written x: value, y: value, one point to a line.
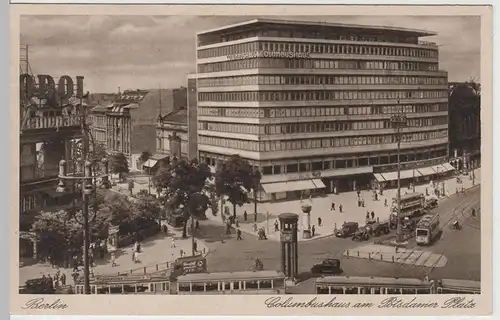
x: 398, y: 122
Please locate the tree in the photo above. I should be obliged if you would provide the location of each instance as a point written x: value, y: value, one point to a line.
x: 183, y: 187
x: 118, y: 164
x: 234, y: 179
x: 146, y: 206
x: 61, y: 235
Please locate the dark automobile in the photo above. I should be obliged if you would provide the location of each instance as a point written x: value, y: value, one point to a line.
x: 431, y: 203
x: 378, y: 228
x: 328, y: 266
x: 409, y: 225
x: 362, y: 234
x: 348, y: 229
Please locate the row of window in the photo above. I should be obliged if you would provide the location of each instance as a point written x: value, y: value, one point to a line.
x: 285, y: 145
x: 315, y: 126
x: 319, y: 80
x: 318, y: 111
x: 308, y: 32
x: 316, y: 164
x: 279, y: 63
x: 319, y: 95
x: 315, y: 48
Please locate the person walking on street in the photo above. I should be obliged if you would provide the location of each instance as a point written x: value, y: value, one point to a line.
x: 313, y: 230
x: 245, y: 216
x: 319, y: 221
x: 63, y: 279
x: 195, y: 246
x: 367, y: 215
x: 385, y: 202
x: 333, y: 207
x: 172, y: 245
x: 197, y: 225
x: 113, y: 259
x: 340, y: 208
x: 133, y: 256
x: 373, y: 215
x: 238, y: 234
x: 276, y: 226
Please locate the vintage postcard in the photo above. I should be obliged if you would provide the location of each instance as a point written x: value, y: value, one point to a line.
x: 276, y: 160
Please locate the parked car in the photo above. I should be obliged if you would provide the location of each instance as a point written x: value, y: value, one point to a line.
x: 328, y: 266
x: 378, y: 228
x: 362, y: 234
x: 431, y: 203
x: 348, y: 229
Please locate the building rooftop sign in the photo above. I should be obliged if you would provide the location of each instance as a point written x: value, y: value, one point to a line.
x: 269, y: 54
x: 46, y: 88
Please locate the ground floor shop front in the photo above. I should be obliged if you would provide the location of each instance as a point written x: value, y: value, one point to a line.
x: 305, y: 185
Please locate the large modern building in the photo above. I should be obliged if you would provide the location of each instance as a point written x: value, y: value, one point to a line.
x: 310, y: 104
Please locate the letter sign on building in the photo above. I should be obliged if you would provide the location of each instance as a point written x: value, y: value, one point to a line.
x: 46, y: 87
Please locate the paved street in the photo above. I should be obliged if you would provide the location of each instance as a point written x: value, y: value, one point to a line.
x: 461, y: 248
x: 321, y: 207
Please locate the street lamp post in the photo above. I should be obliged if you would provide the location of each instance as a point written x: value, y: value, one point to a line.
x: 398, y: 121
x: 87, y: 178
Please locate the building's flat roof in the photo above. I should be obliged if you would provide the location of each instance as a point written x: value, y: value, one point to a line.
x: 417, y: 32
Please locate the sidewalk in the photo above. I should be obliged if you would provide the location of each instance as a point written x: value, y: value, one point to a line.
x: 417, y: 258
x: 321, y: 207
x: 156, y: 250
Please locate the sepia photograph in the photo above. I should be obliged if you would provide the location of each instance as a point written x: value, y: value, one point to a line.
x: 275, y: 155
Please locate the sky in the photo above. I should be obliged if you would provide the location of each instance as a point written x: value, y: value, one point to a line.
x: 144, y: 52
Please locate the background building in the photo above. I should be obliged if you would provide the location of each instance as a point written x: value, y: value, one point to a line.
x: 465, y: 125
x: 99, y: 102
x: 131, y: 121
x: 310, y: 103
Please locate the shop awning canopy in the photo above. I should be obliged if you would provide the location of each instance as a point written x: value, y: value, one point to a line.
x: 447, y: 167
x: 159, y: 156
x: 150, y: 163
x: 427, y: 171
x: 318, y: 183
x: 288, y: 186
x: 404, y: 174
x: 379, y: 177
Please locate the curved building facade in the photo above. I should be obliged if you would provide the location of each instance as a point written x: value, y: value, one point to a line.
x: 310, y: 104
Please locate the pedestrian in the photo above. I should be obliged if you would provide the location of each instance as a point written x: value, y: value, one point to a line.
x: 197, y: 225
x: 181, y: 252
x: 333, y: 207
x: 340, y: 208
x: 238, y: 233
x: 313, y: 230
x: 63, y: 279
x: 245, y: 216
x: 254, y: 227
x: 195, y: 246
x: 376, y: 196
x: 133, y: 256
x: 228, y: 229
x: 358, y: 192
x: 362, y: 202
x: 319, y: 221
x: 75, y: 264
x: 113, y: 259
x: 172, y: 245
x: 276, y: 226
x: 385, y: 202
x: 373, y: 215
x: 367, y: 215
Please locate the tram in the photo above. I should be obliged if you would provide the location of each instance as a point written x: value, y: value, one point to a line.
x: 372, y: 285
x: 156, y: 283
x: 381, y: 285
x: 243, y: 282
